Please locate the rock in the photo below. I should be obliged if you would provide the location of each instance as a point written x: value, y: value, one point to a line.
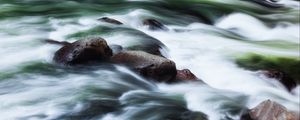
x: 57, y: 42
x: 153, y: 49
x: 282, y: 77
x: 270, y: 110
x: 110, y: 20
x: 186, y: 74
x: 246, y: 115
x: 147, y: 65
x: 154, y: 24
x: 83, y: 51
x: 268, y: 3
x: 116, y: 48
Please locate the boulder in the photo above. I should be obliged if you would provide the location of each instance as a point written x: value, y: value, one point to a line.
x: 83, y: 51
x: 147, y: 65
x: 270, y: 110
x: 282, y: 77
x: 110, y: 20
x: 154, y: 24
x: 152, y: 48
x: 185, y: 75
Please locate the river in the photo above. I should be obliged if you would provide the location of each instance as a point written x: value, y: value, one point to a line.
x: 205, y: 36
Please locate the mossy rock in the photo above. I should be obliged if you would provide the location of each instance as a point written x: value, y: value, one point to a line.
x: 288, y: 65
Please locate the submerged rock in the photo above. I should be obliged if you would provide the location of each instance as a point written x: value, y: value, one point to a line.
x: 154, y: 24
x: 282, y: 77
x: 147, y: 65
x: 270, y: 110
x: 83, y: 51
x: 110, y: 20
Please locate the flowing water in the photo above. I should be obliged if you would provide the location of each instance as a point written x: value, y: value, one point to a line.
x: 205, y: 36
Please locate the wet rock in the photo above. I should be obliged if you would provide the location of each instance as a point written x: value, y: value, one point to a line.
x: 150, y: 48
x: 154, y: 24
x: 246, y: 115
x: 270, y: 110
x: 268, y: 3
x: 110, y: 20
x: 83, y: 51
x: 50, y: 41
x: 282, y: 77
x: 147, y: 65
x: 136, y: 39
x: 116, y: 48
x: 186, y: 74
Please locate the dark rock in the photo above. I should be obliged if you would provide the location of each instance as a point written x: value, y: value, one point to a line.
x: 83, y: 51
x: 153, y: 49
x: 140, y: 41
x: 270, y: 110
x: 246, y: 116
x: 282, y: 77
x: 147, y: 65
x: 110, y: 20
x: 57, y: 42
x: 154, y: 24
x: 186, y: 74
x: 267, y: 3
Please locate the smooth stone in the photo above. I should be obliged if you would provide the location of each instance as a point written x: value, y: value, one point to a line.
x: 110, y: 20
x: 154, y: 24
x: 148, y: 65
x: 83, y: 51
x: 270, y: 110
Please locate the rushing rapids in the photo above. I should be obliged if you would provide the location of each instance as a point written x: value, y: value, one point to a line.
x: 245, y: 52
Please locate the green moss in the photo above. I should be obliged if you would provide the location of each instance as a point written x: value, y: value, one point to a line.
x: 289, y: 65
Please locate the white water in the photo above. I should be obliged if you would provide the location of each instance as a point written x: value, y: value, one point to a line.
x: 205, y: 55
x: 208, y: 56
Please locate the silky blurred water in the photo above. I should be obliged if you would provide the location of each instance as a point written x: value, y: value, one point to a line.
x: 204, y: 36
